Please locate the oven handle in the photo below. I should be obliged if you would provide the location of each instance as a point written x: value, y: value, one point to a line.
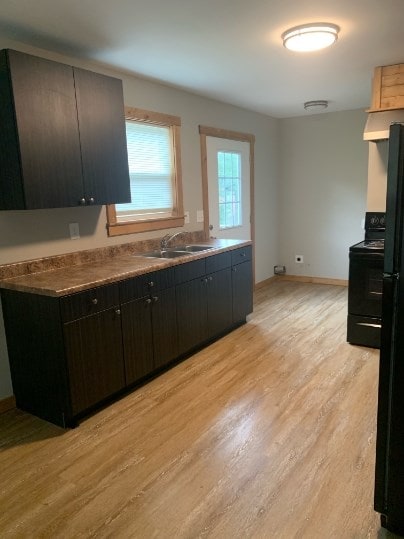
x: 369, y: 325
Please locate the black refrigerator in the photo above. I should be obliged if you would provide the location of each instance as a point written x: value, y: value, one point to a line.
x: 389, y: 474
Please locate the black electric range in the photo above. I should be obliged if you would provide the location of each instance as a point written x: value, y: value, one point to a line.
x: 365, y: 285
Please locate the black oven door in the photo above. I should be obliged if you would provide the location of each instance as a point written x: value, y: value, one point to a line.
x: 365, y: 284
x: 365, y: 298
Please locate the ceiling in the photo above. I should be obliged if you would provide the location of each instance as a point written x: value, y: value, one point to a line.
x: 229, y: 50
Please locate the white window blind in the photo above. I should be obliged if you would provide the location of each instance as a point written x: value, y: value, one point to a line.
x: 150, y: 159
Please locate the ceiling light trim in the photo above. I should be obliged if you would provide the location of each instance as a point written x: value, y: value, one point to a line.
x: 310, y: 37
x: 318, y: 104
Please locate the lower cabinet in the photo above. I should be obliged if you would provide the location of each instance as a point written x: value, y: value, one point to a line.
x: 212, y: 298
x: 191, y: 314
x: 93, y: 347
x: 242, y: 279
x: 70, y: 354
x: 149, y: 333
x: 219, y: 302
x: 204, y: 309
x: 137, y: 335
x: 65, y: 353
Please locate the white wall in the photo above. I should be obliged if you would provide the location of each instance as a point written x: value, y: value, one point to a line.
x: 33, y: 234
x: 323, y: 191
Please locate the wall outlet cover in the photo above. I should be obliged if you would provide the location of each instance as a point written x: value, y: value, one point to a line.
x: 74, y: 231
x: 199, y: 216
x: 186, y: 217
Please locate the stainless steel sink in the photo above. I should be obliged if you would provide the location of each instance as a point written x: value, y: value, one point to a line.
x: 166, y: 253
x: 192, y: 248
x: 175, y: 252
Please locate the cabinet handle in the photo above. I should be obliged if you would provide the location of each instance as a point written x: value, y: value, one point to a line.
x: 204, y: 280
x: 242, y: 255
x: 234, y: 269
x: 148, y: 301
x: 82, y: 201
x: 151, y: 284
x: 94, y: 301
x: 91, y: 200
x: 155, y: 298
x: 118, y: 311
x: 210, y: 278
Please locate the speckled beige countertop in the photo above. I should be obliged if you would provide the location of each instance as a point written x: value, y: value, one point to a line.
x: 71, y: 279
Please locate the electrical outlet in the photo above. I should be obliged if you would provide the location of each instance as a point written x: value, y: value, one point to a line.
x: 299, y: 259
x: 279, y: 270
x: 186, y: 217
x: 199, y: 216
x: 74, y: 231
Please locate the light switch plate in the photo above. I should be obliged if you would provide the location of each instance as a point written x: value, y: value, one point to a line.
x: 199, y: 216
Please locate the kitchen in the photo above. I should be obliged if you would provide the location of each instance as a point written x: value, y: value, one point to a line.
x: 298, y: 206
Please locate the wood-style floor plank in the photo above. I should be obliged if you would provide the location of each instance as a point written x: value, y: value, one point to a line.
x: 267, y: 433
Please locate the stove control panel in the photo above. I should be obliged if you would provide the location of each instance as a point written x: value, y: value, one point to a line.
x: 375, y: 220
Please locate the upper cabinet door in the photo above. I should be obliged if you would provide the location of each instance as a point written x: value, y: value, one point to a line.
x: 62, y: 136
x: 100, y: 110
x: 40, y: 144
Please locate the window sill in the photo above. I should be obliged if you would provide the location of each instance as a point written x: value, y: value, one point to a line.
x: 132, y: 227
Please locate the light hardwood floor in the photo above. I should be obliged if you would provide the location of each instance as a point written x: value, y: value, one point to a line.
x: 267, y: 433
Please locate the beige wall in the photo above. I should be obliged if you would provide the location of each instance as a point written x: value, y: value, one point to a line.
x: 32, y: 234
x: 323, y: 191
x: 377, y: 176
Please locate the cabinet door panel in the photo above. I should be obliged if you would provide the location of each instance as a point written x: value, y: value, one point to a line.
x: 46, y: 122
x: 165, y: 341
x: 190, y: 270
x: 89, y: 302
x: 94, y: 358
x: 150, y: 283
x: 218, y: 262
x: 191, y: 314
x: 242, y: 291
x: 219, y: 290
x: 241, y: 255
x: 101, y: 117
x: 137, y: 339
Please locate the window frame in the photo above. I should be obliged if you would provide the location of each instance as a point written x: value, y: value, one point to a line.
x: 116, y: 228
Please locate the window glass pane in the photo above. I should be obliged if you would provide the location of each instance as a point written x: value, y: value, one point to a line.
x: 150, y: 169
x: 228, y: 189
x: 222, y: 191
x: 229, y: 183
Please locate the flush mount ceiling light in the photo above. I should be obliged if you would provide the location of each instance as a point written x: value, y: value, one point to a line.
x: 310, y: 37
x: 319, y: 104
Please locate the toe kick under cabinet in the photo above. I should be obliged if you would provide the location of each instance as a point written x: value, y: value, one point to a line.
x: 70, y: 354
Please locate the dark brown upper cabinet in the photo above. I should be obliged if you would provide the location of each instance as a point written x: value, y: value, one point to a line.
x: 62, y: 137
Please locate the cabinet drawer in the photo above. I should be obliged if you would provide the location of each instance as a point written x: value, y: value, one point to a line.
x: 89, y: 302
x: 190, y: 270
x: 218, y: 262
x: 241, y: 255
x: 146, y: 284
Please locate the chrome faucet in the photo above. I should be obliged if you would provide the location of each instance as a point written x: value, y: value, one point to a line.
x: 165, y: 240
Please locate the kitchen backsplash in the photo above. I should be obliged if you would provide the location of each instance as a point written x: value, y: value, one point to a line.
x: 17, y: 269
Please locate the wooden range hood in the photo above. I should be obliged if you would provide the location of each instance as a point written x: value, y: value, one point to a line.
x: 387, y: 102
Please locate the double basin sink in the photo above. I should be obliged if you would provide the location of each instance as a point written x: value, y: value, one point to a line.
x: 175, y: 252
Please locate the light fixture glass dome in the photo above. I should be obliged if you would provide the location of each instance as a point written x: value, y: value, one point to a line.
x: 310, y: 37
